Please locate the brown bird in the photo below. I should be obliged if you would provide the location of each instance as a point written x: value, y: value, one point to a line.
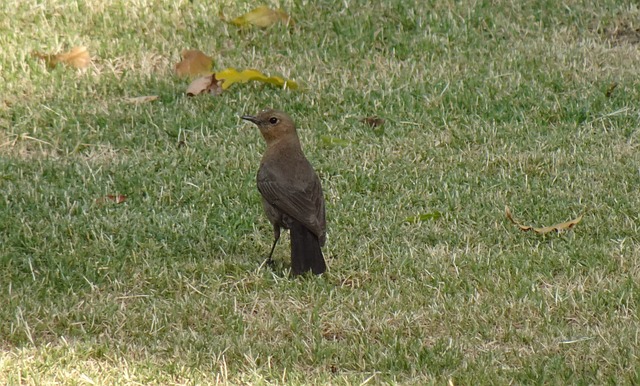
x: 291, y: 192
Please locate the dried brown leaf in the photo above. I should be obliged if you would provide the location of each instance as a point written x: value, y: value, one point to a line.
x: 141, y: 99
x: 194, y: 63
x: 610, y: 89
x: 47, y: 58
x: 373, y: 121
x: 544, y: 230
x: 206, y: 84
x: 117, y: 198
x: 77, y: 57
x: 625, y: 33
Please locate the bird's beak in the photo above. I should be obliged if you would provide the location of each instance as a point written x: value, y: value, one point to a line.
x: 250, y: 118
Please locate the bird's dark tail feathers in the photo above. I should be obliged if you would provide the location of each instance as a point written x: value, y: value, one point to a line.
x: 306, y: 254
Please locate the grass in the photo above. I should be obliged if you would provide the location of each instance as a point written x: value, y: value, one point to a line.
x: 486, y: 104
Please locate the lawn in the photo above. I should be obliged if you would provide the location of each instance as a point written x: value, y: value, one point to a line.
x: 486, y: 104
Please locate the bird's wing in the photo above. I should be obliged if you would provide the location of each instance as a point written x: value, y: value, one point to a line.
x: 303, y: 203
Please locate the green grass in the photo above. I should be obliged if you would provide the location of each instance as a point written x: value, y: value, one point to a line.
x: 486, y: 104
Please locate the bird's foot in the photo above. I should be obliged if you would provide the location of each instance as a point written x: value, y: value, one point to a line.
x: 270, y: 262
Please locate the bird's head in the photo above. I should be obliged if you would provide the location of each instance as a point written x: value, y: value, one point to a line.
x: 273, y: 124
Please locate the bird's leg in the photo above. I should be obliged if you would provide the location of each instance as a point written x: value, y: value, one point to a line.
x: 276, y: 237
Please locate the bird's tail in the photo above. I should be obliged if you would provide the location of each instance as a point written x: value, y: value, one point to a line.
x: 306, y: 254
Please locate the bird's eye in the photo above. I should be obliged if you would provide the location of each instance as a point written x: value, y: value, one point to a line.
x: 273, y: 120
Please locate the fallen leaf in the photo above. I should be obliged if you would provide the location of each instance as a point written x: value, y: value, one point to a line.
x: 141, y: 99
x: 610, y: 89
x: 206, y: 84
x: 262, y: 17
x: 230, y: 76
x: 373, y: 121
x: 334, y: 141
x: 194, y: 63
x: 423, y: 217
x: 376, y: 124
x: 118, y: 199
x: 557, y: 228
x: 77, y: 57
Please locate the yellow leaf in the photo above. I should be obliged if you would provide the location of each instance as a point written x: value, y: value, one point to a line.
x: 557, y: 228
x: 141, y: 99
x: 208, y: 84
x: 230, y: 76
x: 194, y: 62
x: 423, y: 217
x: 262, y: 17
x: 77, y: 57
x: 333, y: 141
